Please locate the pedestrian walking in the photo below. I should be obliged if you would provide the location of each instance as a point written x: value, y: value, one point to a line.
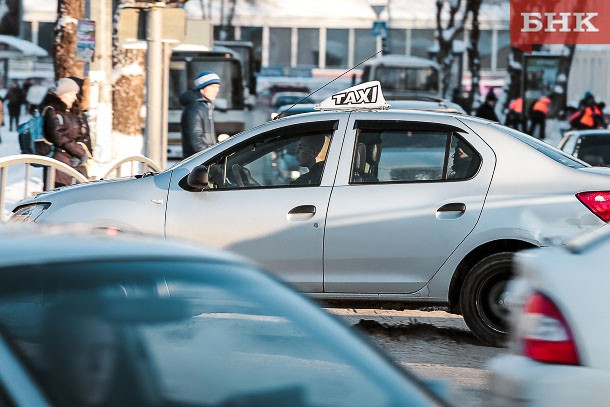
x: 79, y: 109
x: 487, y: 109
x: 197, y: 121
x: 538, y: 114
x: 588, y: 116
x: 62, y: 128
x: 514, y: 116
x: 14, y: 98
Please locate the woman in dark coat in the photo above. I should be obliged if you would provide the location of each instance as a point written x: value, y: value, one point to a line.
x: 63, y: 128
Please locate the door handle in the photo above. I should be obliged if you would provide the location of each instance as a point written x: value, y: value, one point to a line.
x: 302, y: 212
x: 452, y: 207
x: 451, y: 211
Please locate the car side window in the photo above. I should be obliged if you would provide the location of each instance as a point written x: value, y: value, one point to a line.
x: 395, y: 155
x: 291, y: 158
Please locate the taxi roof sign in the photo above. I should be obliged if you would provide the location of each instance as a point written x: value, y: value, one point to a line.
x: 366, y: 95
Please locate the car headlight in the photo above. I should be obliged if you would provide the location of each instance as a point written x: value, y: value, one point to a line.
x: 28, y: 213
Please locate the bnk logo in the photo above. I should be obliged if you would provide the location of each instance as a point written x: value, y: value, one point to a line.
x: 559, y: 22
x: 563, y: 22
x: 357, y: 96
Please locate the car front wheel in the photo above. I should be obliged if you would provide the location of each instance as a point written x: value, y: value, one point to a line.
x: 482, y: 298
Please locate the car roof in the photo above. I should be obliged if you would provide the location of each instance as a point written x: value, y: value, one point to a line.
x: 394, y: 60
x: 591, y: 132
x: 37, y: 244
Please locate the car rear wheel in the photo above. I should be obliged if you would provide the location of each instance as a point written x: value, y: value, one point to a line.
x: 482, y: 298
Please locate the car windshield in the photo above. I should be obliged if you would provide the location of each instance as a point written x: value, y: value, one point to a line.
x: 169, y: 333
x: 546, y: 149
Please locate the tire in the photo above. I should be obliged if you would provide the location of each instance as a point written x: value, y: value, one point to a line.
x: 482, y: 298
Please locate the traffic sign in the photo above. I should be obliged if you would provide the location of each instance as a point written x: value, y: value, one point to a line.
x: 380, y: 28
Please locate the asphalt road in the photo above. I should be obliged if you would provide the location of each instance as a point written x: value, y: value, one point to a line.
x: 432, y: 343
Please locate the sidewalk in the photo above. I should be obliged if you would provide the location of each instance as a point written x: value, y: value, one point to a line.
x: 15, y: 189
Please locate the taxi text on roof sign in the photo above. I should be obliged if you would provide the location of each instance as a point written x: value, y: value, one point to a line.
x: 366, y: 95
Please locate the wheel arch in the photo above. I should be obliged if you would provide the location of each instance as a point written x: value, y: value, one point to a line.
x: 477, y: 254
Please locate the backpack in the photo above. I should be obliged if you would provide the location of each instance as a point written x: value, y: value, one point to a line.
x: 31, y: 136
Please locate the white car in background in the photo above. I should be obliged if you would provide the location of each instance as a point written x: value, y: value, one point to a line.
x: 559, y: 328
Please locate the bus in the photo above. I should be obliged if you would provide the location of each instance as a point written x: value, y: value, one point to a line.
x: 404, y: 76
x: 249, y: 65
x: 230, y: 113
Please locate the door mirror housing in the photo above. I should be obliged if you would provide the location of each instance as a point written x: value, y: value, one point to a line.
x: 198, y: 178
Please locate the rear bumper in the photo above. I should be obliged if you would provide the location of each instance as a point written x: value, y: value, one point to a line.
x: 519, y: 381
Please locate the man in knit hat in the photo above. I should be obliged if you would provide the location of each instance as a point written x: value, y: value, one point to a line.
x: 197, y: 122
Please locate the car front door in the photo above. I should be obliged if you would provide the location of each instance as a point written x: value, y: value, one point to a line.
x: 263, y: 200
x: 407, y: 194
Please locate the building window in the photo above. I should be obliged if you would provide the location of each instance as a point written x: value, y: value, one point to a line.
x: 336, y: 48
x: 365, y: 45
x: 485, y: 49
x: 308, y: 47
x: 255, y: 36
x: 279, y: 46
x: 503, y: 48
x: 421, y: 41
x: 398, y: 41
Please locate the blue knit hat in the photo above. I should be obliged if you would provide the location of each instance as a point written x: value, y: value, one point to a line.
x: 206, y: 78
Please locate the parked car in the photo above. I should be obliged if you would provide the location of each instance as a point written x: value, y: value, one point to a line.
x: 591, y: 146
x: 558, y: 349
x: 290, y: 98
x: 408, y: 206
x: 113, y: 319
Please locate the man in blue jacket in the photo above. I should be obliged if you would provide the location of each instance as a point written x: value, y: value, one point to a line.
x: 197, y: 121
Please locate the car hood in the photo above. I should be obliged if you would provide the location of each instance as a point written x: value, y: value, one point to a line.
x: 48, y: 195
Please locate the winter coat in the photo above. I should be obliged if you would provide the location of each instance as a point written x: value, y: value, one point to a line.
x: 63, y: 128
x: 487, y: 111
x: 15, y: 99
x: 196, y: 123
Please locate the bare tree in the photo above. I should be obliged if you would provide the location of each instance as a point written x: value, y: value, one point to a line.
x: 445, y: 37
x: 68, y: 14
x: 474, y: 58
x: 129, y: 83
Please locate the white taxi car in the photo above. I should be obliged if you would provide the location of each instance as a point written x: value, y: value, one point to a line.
x: 357, y: 202
x: 559, y: 330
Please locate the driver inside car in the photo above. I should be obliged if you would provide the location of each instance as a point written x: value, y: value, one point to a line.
x: 311, y: 153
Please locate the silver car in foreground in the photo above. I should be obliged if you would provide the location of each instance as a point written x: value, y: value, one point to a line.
x: 107, y: 319
x: 399, y: 205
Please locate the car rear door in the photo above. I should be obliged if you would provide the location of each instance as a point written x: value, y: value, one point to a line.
x: 395, y: 218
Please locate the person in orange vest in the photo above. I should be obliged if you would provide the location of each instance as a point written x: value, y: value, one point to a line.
x: 514, y: 117
x: 538, y: 113
x: 589, y: 116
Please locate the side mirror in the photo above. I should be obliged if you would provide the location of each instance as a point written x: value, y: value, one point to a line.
x: 198, y: 178
x: 221, y: 104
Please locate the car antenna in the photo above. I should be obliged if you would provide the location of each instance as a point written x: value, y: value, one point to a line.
x: 326, y: 84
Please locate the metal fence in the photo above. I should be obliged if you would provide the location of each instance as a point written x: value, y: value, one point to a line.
x: 120, y: 168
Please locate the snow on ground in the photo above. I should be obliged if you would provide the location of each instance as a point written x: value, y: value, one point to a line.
x: 16, y: 186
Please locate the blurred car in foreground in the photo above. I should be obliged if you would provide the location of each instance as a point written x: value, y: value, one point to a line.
x: 559, y: 328
x: 101, y: 319
x: 591, y: 146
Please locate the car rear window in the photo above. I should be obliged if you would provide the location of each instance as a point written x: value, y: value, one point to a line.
x: 546, y: 149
